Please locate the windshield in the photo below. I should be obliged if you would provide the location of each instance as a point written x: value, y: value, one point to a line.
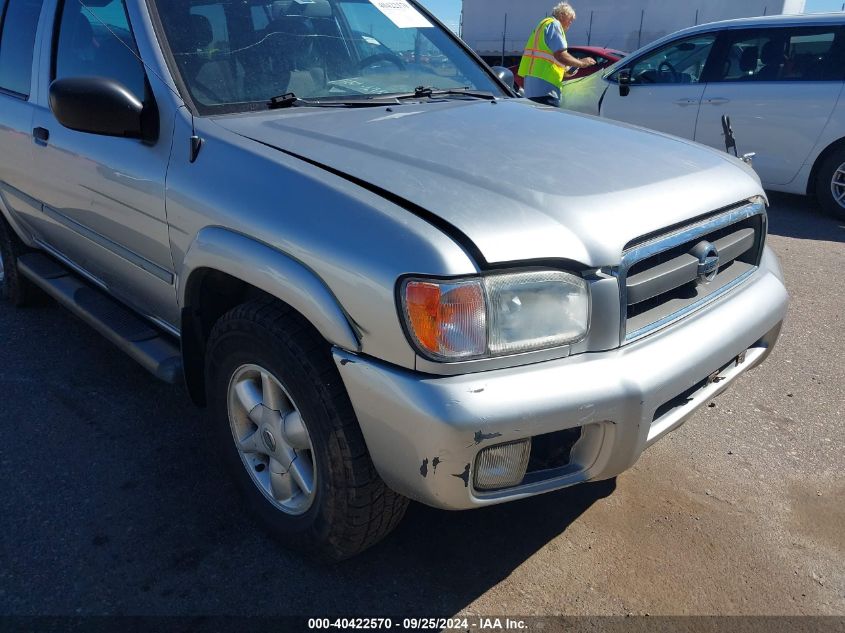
x: 240, y: 54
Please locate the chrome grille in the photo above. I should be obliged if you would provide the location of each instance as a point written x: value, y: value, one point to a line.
x: 666, y: 277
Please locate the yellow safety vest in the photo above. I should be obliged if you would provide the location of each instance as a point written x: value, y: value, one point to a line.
x: 538, y: 60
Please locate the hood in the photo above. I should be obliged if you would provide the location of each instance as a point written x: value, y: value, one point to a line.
x: 522, y: 182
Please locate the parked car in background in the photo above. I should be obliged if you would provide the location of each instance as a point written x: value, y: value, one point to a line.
x: 280, y: 206
x: 778, y: 78
x: 604, y: 57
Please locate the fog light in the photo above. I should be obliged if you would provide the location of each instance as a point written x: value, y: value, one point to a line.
x: 502, y: 466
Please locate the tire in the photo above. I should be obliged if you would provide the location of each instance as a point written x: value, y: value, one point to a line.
x: 254, y: 351
x: 14, y: 288
x: 830, y: 182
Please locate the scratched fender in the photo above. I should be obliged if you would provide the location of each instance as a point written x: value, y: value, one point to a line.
x: 270, y: 270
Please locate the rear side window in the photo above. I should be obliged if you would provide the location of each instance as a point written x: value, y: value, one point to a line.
x: 17, y: 42
x: 807, y: 54
x: 97, y: 42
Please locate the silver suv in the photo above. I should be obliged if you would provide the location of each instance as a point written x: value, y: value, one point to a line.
x: 313, y: 211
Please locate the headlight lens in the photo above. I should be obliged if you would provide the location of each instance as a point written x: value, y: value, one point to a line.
x: 536, y: 310
x: 495, y: 315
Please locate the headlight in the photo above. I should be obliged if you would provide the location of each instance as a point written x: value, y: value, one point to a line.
x: 495, y: 315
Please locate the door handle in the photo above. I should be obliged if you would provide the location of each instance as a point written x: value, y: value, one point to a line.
x: 686, y: 102
x: 718, y: 101
x: 41, y: 135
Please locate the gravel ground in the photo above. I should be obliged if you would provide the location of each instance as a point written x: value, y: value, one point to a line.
x: 112, y: 502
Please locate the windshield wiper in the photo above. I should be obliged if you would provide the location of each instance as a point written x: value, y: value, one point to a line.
x: 427, y: 92
x: 289, y: 100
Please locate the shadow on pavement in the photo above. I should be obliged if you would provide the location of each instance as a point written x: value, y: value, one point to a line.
x: 442, y: 561
x: 119, y: 506
x: 800, y: 217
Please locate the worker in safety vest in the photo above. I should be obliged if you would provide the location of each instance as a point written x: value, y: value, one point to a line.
x: 545, y: 60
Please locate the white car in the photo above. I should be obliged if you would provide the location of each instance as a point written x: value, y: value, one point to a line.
x: 778, y: 78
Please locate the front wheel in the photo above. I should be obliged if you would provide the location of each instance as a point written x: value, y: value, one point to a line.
x: 288, y: 432
x: 830, y: 184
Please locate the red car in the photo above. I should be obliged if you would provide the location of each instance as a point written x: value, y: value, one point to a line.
x: 604, y: 57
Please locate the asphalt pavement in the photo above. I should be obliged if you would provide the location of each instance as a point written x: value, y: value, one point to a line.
x: 112, y: 501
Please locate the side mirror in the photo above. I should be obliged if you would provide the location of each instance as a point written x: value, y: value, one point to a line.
x: 624, y: 79
x: 98, y: 106
x: 505, y: 76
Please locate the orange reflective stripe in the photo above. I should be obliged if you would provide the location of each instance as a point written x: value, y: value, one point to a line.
x: 546, y: 60
x: 535, y: 54
x: 536, y: 44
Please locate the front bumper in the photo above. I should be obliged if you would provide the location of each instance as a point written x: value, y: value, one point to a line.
x: 424, y: 432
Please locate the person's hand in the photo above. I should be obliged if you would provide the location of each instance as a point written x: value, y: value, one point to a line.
x: 587, y: 61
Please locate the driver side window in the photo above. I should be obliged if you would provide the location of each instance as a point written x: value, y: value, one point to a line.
x: 98, y: 41
x: 681, y: 62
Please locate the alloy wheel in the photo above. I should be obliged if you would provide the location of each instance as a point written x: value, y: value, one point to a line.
x: 837, y: 185
x: 272, y: 439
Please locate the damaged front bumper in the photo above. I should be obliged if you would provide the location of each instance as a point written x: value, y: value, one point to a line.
x: 424, y: 432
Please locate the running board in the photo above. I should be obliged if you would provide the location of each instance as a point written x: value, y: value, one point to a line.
x: 154, y: 350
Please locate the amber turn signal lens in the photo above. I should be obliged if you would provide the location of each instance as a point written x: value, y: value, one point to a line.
x: 447, y: 319
x: 422, y: 300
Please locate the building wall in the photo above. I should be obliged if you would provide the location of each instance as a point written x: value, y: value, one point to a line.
x: 614, y: 24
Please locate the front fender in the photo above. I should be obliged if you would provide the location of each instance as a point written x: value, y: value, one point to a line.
x: 272, y: 271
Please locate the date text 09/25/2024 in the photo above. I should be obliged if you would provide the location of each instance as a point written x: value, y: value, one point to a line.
x: 464, y: 624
